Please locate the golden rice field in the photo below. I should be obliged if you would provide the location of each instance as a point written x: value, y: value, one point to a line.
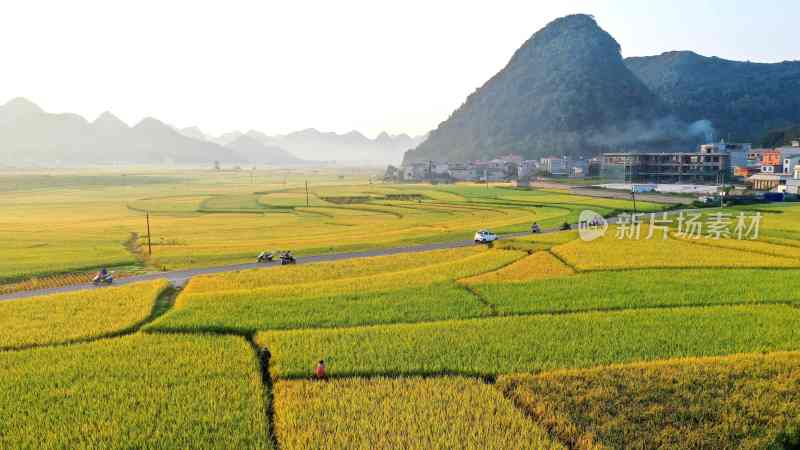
x: 783, y: 250
x: 141, y: 391
x: 539, y: 266
x: 533, y: 343
x: 742, y: 401
x: 610, y: 253
x: 412, y: 413
x: 76, y: 316
x: 399, y: 294
x: 469, y: 264
x: 543, y: 341
x: 326, y: 271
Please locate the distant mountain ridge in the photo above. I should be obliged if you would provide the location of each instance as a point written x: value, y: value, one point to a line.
x: 312, y: 144
x: 31, y: 136
x: 567, y: 91
x: 256, y: 151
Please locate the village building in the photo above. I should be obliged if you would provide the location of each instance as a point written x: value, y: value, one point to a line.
x: 793, y: 185
x: 674, y: 167
x: 554, y: 166
x: 463, y: 172
x: 527, y: 169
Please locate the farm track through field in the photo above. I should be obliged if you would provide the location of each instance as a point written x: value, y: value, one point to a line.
x: 480, y: 298
x: 132, y: 245
x: 564, y: 261
x: 262, y: 355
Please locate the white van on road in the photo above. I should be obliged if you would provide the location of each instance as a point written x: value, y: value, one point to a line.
x: 484, y: 237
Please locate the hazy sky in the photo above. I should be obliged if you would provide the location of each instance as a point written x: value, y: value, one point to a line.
x: 335, y: 65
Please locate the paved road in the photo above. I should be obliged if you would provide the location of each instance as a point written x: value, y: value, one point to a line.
x: 180, y: 277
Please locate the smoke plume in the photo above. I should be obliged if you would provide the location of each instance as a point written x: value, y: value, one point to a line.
x: 663, y: 134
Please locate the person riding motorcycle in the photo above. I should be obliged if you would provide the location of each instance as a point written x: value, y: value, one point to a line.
x: 103, y: 276
x: 287, y: 257
x: 535, y: 228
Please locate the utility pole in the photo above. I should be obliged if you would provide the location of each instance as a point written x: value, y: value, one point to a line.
x: 307, y: 202
x: 430, y: 169
x: 633, y: 196
x: 149, y: 244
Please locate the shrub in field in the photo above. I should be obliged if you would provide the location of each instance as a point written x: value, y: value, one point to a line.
x: 325, y: 271
x: 611, y: 253
x: 639, y: 289
x: 532, y: 343
x: 743, y: 401
x: 416, y: 413
x: 242, y: 312
x: 75, y: 316
x: 541, y: 265
x: 143, y: 391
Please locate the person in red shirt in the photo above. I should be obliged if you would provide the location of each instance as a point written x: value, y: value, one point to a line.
x: 319, y: 373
